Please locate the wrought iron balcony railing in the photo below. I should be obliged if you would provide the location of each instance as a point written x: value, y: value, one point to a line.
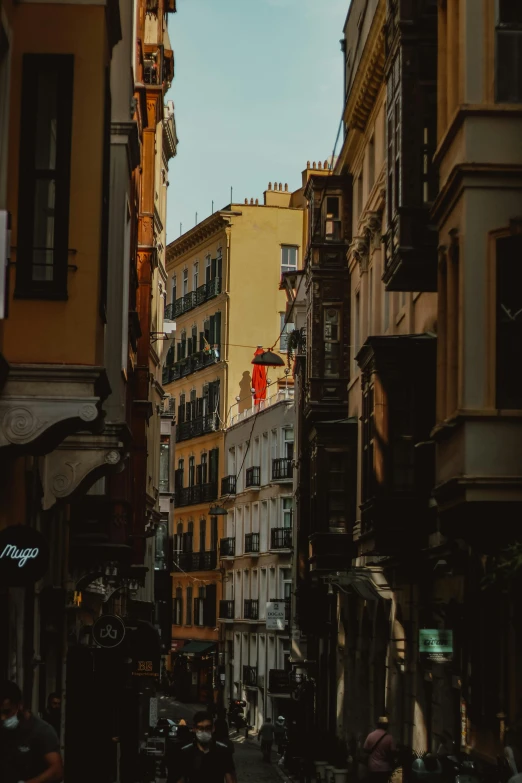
x: 253, y: 477
x: 188, y: 365
x: 202, y: 294
x: 199, y: 493
x: 251, y: 609
x: 227, y: 547
x: 251, y: 542
x: 226, y: 610
x: 192, y: 429
x: 281, y: 538
x: 228, y: 485
x: 282, y: 469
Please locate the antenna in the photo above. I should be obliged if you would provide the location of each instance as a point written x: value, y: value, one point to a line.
x: 180, y: 229
x: 212, y: 207
x: 231, y: 194
x: 196, y: 219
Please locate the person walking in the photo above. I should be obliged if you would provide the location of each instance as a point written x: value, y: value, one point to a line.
x: 29, y: 747
x: 266, y: 736
x: 204, y: 760
x: 380, y: 749
x: 53, y: 712
x: 280, y: 734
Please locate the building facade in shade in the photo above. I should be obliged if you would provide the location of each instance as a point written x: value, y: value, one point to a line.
x: 403, y: 448
x: 256, y: 556
x: 223, y: 278
x: 77, y: 190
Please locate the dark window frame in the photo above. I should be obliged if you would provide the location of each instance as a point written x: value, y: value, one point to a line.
x: 27, y: 288
x: 508, y: 45
x: 508, y: 326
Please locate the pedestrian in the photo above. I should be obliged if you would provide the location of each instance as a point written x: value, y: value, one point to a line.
x: 221, y: 727
x: 29, y: 747
x: 53, y: 712
x: 380, y: 750
x: 204, y: 760
x: 266, y: 736
x: 280, y: 734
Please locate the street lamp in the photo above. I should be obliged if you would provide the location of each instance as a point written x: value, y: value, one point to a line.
x: 268, y: 359
x: 217, y: 511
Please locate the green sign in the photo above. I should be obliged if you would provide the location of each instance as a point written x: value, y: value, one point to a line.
x: 436, y: 644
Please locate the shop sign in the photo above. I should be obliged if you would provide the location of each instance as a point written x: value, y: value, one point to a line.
x: 145, y: 651
x: 436, y: 644
x: 275, y: 616
x: 24, y: 556
x: 108, y: 630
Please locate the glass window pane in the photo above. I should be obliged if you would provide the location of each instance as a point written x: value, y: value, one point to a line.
x: 45, y: 146
x: 44, y: 199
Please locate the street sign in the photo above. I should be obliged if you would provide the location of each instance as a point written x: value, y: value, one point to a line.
x: 436, y: 644
x: 275, y: 616
x: 108, y: 630
x: 24, y: 556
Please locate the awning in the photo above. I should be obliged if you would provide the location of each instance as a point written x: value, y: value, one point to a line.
x: 197, y: 648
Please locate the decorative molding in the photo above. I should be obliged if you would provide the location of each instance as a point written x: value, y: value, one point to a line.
x: 372, y: 224
x: 359, y: 250
x: 45, y: 403
x: 369, y: 77
x: 80, y: 461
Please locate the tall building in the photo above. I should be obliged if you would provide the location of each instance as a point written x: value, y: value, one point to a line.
x: 223, y: 295
x: 82, y: 210
x: 256, y: 555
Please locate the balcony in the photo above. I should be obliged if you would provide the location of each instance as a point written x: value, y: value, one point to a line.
x: 183, y: 561
x: 188, y: 365
x: 227, y: 547
x: 208, y: 561
x: 410, y: 247
x: 279, y: 681
x: 281, y: 538
x: 199, y: 493
x: 196, y: 561
x: 226, y: 610
x: 253, y: 477
x: 287, y: 603
x: 251, y: 543
x: 228, y: 485
x: 282, y: 469
x: 193, y: 429
x: 250, y: 676
x: 195, y: 298
x: 251, y: 609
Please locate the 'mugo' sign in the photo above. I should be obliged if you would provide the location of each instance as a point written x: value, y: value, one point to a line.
x: 24, y: 556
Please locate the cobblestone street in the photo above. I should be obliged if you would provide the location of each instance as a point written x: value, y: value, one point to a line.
x: 250, y: 765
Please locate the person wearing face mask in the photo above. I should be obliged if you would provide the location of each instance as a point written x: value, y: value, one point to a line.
x: 29, y: 747
x: 204, y: 760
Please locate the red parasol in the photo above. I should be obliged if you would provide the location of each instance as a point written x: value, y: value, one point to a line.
x: 259, y: 379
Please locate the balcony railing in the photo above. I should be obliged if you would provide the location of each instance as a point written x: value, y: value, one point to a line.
x: 281, y: 538
x: 192, y: 429
x: 208, y: 561
x: 195, y: 561
x: 199, y: 493
x: 226, y: 610
x: 250, y: 676
x: 251, y: 609
x: 251, y: 542
x: 282, y: 469
x: 287, y: 604
x: 253, y: 477
x: 188, y: 365
x: 227, y: 547
x: 283, y: 395
x: 202, y: 294
x: 228, y: 485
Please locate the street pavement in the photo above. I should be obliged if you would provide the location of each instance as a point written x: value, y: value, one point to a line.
x: 247, y: 752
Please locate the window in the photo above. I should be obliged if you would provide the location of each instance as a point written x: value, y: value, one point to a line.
x: 337, y: 483
x: 195, y: 276
x: 204, y: 469
x: 371, y: 163
x: 164, y: 463
x: 199, y: 607
x: 332, y: 219
x: 178, y: 607
x: 202, y: 535
x: 188, y: 618
x: 359, y: 195
x: 356, y: 328
x: 213, y: 534
x: 287, y: 504
x: 288, y: 258
x: 174, y: 290
x: 285, y: 330
x: 509, y: 321
x: 370, y: 300
x: 44, y: 176
x: 288, y: 442
x: 162, y: 545
x: 386, y: 310
x: 178, y: 541
x: 393, y: 139
x: 508, y: 55
x: 332, y: 345
x: 368, y: 478
x: 185, y: 282
x: 401, y: 426
x: 192, y: 469
x: 207, y: 269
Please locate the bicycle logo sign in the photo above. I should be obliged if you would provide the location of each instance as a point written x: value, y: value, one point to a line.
x: 108, y: 630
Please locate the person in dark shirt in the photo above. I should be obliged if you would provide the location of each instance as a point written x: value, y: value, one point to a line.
x: 29, y: 747
x: 53, y: 713
x: 204, y: 760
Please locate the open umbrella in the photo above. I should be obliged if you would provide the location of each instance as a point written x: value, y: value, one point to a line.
x: 259, y: 379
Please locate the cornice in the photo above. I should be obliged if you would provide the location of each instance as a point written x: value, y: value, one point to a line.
x: 200, y: 233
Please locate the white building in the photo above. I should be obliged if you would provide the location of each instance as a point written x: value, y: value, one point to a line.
x: 256, y: 556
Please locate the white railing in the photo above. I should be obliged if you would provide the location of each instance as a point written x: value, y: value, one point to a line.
x: 280, y: 396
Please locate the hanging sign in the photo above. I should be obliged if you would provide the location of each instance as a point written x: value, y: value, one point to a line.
x: 275, y: 616
x: 108, y: 630
x: 24, y: 556
x: 436, y: 644
x: 145, y: 651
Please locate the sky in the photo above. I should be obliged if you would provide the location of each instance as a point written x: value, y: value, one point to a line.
x: 258, y: 91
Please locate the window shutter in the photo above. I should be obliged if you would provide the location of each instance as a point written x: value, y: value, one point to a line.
x: 198, y: 474
x: 199, y: 407
x: 212, y: 330
x: 196, y: 611
x: 209, y: 606
x: 213, y: 456
x: 213, y: 263
x: 178, y: 351
x: 220, y: 267
x: 217, y: 329
x: 201, y: 341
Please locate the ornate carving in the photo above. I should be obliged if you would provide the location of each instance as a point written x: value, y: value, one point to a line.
x: 359, y: 249
x: 373, y: 228
x: 21, y: 424
x: 88, y: 412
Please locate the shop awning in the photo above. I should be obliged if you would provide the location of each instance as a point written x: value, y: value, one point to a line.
x: 197, y: 648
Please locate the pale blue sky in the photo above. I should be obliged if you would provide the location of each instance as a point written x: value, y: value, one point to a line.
x: 258, y: 91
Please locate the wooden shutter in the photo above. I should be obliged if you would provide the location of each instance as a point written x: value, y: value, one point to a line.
x: 217, y: 329
x: 212, y: 330
x: 209, y: 606
x: 213, y: 465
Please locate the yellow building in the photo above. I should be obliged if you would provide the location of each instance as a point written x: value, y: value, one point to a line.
x: 224, y: 296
